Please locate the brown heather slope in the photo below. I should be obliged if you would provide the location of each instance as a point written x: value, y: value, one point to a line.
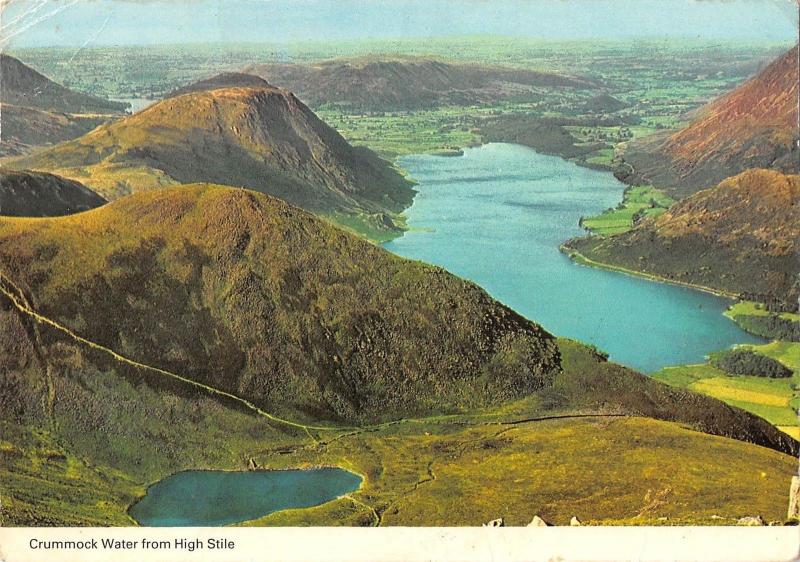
x: 36, y: 111
x: 35, y: 194
x: 405, y: 83
x: 741, y: 237
x: 260, y: 138
x: 754, y: 126
x: 250, y: 295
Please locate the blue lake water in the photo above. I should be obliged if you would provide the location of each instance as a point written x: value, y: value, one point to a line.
x: 214, y: 498
x: 497, y: 216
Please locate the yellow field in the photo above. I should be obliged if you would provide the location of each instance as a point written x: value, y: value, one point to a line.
x: 732, y: 389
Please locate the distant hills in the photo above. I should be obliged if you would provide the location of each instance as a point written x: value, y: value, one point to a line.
x: 37, y: 111
x: 222, y: 80
x: 23, y: 86
x: 407, y: 83
x: 741, y: 237
x: 754, y: 126
x: 262, y: 138
x: 34, y: 194
x: 604, y: 103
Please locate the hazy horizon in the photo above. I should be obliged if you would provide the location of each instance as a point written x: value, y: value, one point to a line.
x: 90, y: 23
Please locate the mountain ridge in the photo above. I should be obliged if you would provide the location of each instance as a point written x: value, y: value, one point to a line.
x: 260, y: 138
x: 406, y: 83
x: 753, y: 126
x: 23, y: 86
x: 37, y: 111
x: 740, y: 236
x: 274, y: 305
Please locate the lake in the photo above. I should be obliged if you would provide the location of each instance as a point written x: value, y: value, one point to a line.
x: 208, y: 498
x: 137, y: 104
x: 497, y: 216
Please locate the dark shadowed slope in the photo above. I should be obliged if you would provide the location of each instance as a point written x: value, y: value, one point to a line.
x: 754, y: 126
x: 741, y: 237
x: 36, y: 194
x: 403, y: 83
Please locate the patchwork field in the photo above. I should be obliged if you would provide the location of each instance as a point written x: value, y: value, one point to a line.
x: 638, y: 202
x: 775, y: 400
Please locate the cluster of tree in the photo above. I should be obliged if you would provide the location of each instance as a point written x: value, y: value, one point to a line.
x: 772, y: 327
x: 770, y: 303
x: 746, y: 362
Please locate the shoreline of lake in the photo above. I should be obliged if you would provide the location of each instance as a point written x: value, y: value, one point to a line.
x: 511, y: 224
x: 580, y: 259
x: 307, y: 470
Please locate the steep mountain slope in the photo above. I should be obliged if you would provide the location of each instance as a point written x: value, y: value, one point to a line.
x: 23, y: 86
x: 24, y: 128
x: 222, y: 80
x: 403, y: 83
x: 741, y: 237
x: 33, y: 194
x: 754, y: 126
x: 36, y: 111
x: 247, y: 294
x: 260, y: 138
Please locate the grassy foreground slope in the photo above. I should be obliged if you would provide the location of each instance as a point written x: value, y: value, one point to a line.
x: 739, y: 237
x: 83, y: 452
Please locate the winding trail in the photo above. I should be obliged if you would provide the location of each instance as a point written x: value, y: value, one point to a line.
x: 23, y: 307
x: 374, y: 513
x: 18, y: 299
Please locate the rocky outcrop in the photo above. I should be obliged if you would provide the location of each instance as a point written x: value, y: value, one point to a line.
x: 752, y: 521
x: 538, y: 522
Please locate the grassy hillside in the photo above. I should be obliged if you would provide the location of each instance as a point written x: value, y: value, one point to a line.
x: 34, y: 194
x: 260, y: 138
x: 85, y: 441
x: 739, y: 237
x: 754, y: 126
x: 247, y: 294
x: 407, y: 83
